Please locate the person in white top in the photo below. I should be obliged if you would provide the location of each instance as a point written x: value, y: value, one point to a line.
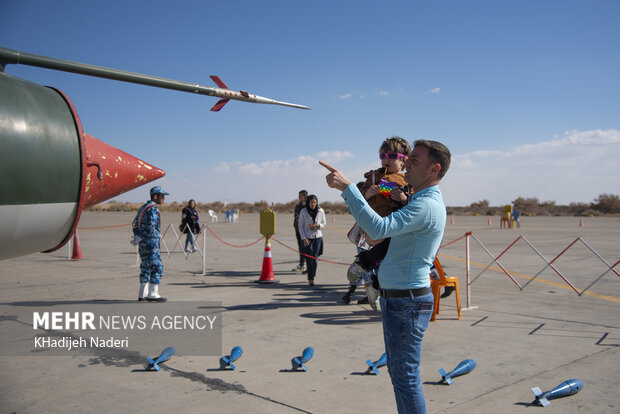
x: 311, y: 221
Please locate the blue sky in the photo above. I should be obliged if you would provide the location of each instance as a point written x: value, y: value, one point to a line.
x: 526, y: 94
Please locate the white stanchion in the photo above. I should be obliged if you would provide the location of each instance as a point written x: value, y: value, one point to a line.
x: 467, y: 269
x: 203, y: 253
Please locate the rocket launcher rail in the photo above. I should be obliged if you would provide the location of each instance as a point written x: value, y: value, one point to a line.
x: 10, y: 56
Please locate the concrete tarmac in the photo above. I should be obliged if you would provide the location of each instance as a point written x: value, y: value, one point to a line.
x: 539, y: 336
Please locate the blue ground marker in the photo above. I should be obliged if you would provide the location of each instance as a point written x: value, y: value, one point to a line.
x: 227, y: 361
x: 165, y: 355
x: 299, y: 361
x: 463, y: 368
x: 568, y: 387
x: 373, y: 367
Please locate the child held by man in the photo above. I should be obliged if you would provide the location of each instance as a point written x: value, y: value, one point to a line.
x: 386, y: 191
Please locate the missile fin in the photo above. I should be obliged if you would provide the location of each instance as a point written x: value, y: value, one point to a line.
x: 219, y: 105
x: 218, y: 81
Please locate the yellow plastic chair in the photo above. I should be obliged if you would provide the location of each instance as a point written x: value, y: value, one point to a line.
x: 505, y: 221
x: 444, y: 281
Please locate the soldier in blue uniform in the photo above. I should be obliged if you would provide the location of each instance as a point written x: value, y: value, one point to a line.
x: 147, y: 232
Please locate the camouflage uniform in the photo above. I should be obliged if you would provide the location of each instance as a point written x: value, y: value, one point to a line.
x: 147, y: 226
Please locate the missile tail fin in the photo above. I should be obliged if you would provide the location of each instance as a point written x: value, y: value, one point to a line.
x: 219, y: 105
x: 218, y: 81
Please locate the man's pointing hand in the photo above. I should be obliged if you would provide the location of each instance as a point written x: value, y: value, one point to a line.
x: 335, y: 178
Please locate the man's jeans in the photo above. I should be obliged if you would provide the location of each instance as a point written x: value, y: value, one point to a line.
x: 404, y: 323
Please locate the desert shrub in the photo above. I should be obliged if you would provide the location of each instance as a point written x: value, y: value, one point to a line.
x: 607, y: 203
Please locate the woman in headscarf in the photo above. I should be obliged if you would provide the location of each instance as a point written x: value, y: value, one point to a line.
x: 189, y: 224
x: 311, y: 221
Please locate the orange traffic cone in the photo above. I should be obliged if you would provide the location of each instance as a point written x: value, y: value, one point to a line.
x: 266, y: 274
x: 580, y: 221
x: 77, y: 248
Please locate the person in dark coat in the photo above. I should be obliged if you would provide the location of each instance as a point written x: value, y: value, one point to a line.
x: 189, y: 225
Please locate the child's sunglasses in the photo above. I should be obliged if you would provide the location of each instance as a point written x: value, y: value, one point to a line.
x: 392, y: 156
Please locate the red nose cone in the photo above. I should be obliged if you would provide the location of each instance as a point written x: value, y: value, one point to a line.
x: 110, y: 171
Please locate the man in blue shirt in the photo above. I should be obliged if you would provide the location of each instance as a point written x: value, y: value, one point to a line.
x: 416, y: 231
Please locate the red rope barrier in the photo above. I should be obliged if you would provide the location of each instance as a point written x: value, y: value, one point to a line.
x: 453, y: 241
x: 104, y: 227
x: 307, y: 255
x: 232, y: 245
